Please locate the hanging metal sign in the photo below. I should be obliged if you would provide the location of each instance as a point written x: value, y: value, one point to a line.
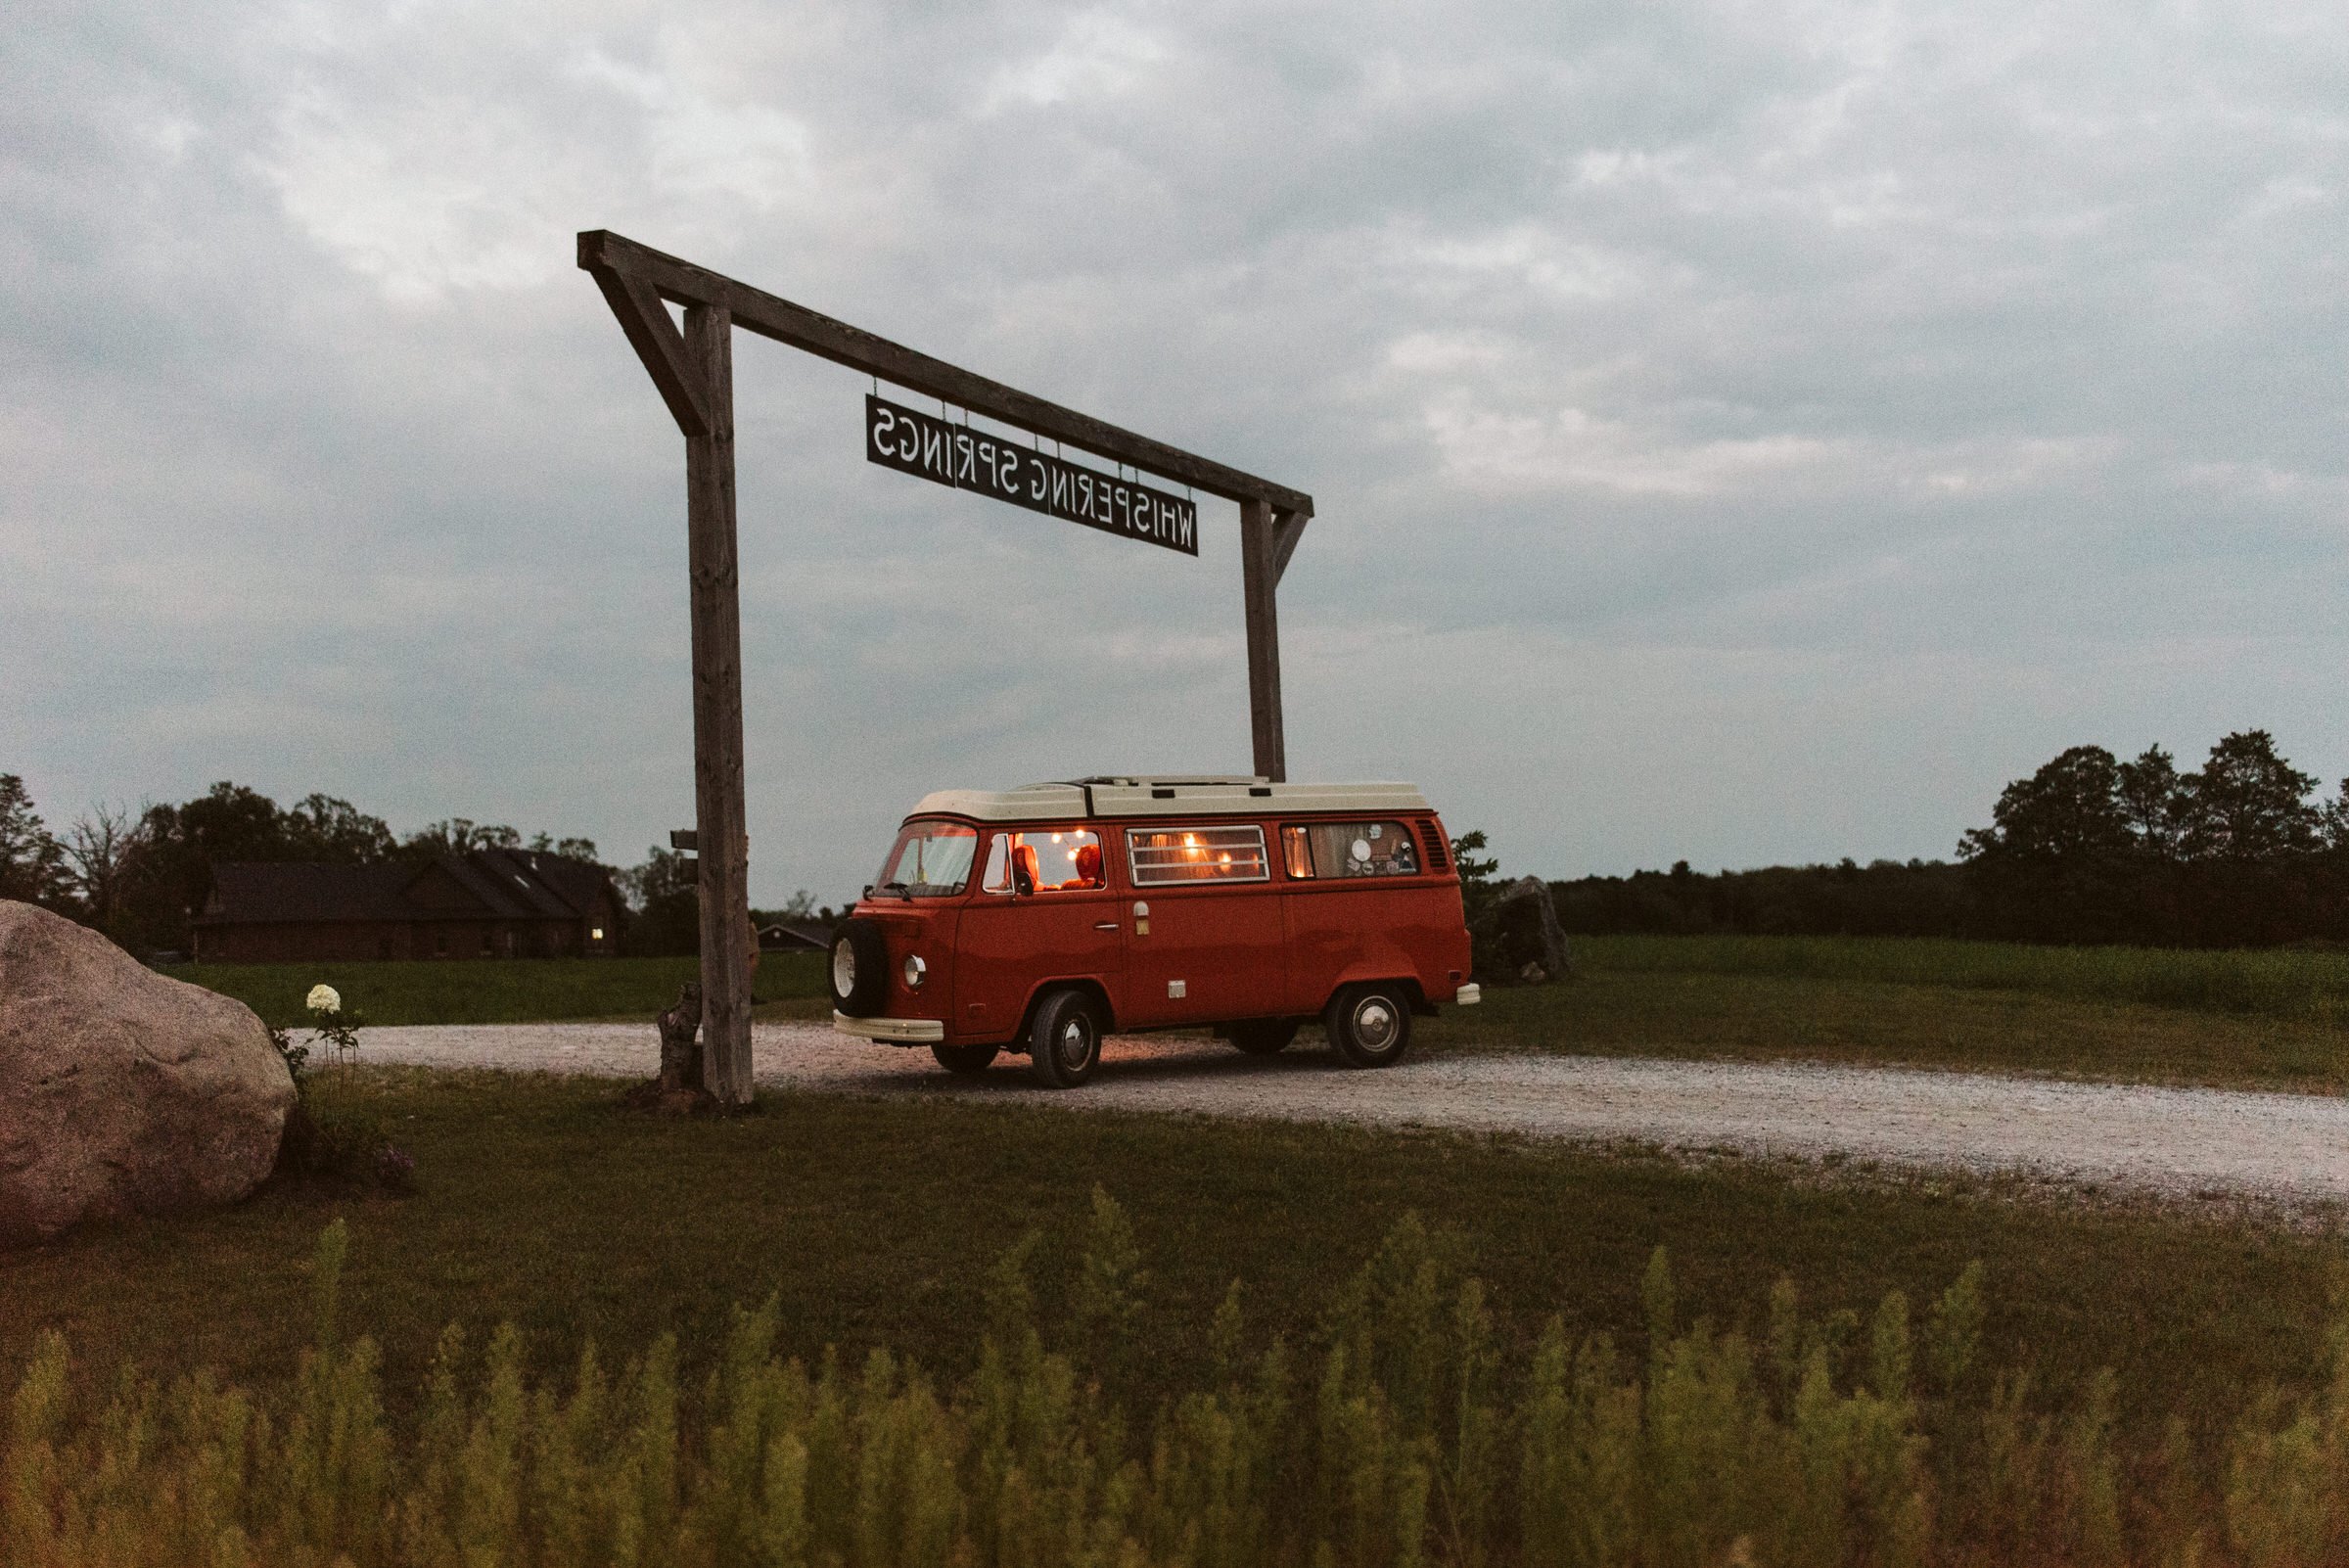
x: 965, y: 459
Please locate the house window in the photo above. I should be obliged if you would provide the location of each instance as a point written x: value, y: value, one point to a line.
x: 1164, y: 856
x: 595, y: 934
x: 1349, y: 850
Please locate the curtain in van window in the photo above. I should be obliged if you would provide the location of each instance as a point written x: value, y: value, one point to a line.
x: 1350, y: 850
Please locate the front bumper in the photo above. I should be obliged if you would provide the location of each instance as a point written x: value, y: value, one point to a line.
x: 891, y: 1031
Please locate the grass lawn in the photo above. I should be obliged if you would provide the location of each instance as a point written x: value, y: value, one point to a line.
x: 2267, y: 1020
x: 1766, y: 1017
x: 503, y: 991
x: 544, y: 1206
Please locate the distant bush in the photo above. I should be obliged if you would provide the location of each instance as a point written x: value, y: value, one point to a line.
x: 1407, y: 1436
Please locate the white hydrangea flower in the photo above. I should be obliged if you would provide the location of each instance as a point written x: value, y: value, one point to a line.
x: 324, y: 999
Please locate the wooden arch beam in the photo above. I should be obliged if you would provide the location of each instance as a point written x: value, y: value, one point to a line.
x: 693, y: 371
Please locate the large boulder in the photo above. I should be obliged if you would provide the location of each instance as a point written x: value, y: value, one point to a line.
x: 1519, y: 942
x: 121, y: 1092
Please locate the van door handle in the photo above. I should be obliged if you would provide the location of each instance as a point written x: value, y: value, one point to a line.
x: 1105, y: 925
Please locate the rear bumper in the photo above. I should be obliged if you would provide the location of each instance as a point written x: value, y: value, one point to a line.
x: 1469, y: 996
x: 891, y: 1031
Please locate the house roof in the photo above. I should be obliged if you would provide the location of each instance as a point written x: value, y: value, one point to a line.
x: 502, y: 885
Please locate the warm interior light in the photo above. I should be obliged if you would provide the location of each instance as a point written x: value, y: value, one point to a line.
x: 596, y: 935
x: 1227, y: 858
x: 1072, y: 854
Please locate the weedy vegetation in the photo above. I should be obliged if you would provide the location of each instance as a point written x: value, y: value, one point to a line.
x: 1518, y: 1379
x: 1404, y: 1433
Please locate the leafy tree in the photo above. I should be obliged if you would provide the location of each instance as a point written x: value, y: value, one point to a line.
x: 568, y: 849
x: 320, y: 827
x: 2248, y: 803
x: 459, y: 835
x: 2069, y: 812
x: 2060, y: 861
x: 665, y: 894
x: 1477, y: 891
x: 32, y: 864
x: 2154, y: 802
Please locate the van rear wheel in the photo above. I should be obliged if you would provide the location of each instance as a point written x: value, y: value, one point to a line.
x: 1369, y: 1024
x: 965, y: 1058
x: 1262, y: 1037
x: 1064, y: 1045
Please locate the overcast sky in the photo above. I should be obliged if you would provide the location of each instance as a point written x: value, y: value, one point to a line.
x: 1743, y: 433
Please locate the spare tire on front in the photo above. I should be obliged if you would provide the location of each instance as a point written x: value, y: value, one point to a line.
x: 860, y: 968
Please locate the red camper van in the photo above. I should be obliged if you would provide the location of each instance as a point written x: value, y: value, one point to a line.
x: 1039, y: 919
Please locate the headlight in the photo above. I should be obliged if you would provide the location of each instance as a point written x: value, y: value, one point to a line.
x: 916, y: 971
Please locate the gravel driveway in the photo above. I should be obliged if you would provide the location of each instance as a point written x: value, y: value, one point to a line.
x: 2292, y: 1149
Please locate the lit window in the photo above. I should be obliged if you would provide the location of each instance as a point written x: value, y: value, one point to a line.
x: 595, y: 934
x: 1067, y: 861
x: 1349, y: 850
x: 1160, y: 857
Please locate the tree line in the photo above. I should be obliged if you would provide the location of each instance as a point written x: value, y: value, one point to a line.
x: 141, y: 876
x: 2240, y: 852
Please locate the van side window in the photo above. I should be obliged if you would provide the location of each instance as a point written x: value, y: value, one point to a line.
x: 1349, y: 850
x: 998, y: 865
x: 1062, y: 861
x: 1164, y: 856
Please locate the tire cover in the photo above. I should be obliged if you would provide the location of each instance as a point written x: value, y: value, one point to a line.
x: 870, y: 993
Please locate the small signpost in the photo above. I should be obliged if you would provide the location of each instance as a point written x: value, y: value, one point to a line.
x: 693, y: 369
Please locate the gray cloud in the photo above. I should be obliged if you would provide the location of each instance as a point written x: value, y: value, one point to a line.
x: 1741, y: 432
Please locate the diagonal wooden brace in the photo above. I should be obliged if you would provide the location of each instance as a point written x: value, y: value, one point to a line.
x: 659, y: 344
x: 1287, y: 529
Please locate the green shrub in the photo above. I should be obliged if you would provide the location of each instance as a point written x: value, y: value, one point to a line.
x: 1403, y: 1438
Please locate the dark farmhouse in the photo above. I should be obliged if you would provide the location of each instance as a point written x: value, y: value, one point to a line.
x: 486, y: 903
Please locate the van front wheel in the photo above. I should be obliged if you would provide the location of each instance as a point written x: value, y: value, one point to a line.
x: 1369, y: 1024
x: 965, y: 1058
x: 1064, y: 1046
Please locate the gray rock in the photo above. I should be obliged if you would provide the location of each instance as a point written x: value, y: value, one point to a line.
x: 122, y: 1091
x: 1526, y: 932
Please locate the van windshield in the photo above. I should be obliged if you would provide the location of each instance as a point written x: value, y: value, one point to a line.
x: 929, y: 860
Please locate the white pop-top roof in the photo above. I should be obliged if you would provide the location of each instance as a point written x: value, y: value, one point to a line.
x: 1168, y: 795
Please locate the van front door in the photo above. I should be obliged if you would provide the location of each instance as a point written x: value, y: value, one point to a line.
x: 1210, y: 948
x: 1044, y: 913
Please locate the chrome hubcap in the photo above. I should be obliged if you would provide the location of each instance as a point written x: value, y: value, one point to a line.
x: 1076, y: 1042
x: 1374, y: 1023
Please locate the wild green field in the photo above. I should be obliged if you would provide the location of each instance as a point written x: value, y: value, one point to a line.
x: 877, y: 1224
x: 2295, y: 984
x: 2242, y: 1019
x: 494, y: 991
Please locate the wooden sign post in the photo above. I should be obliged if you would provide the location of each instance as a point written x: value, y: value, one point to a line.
x: 693, y: 370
